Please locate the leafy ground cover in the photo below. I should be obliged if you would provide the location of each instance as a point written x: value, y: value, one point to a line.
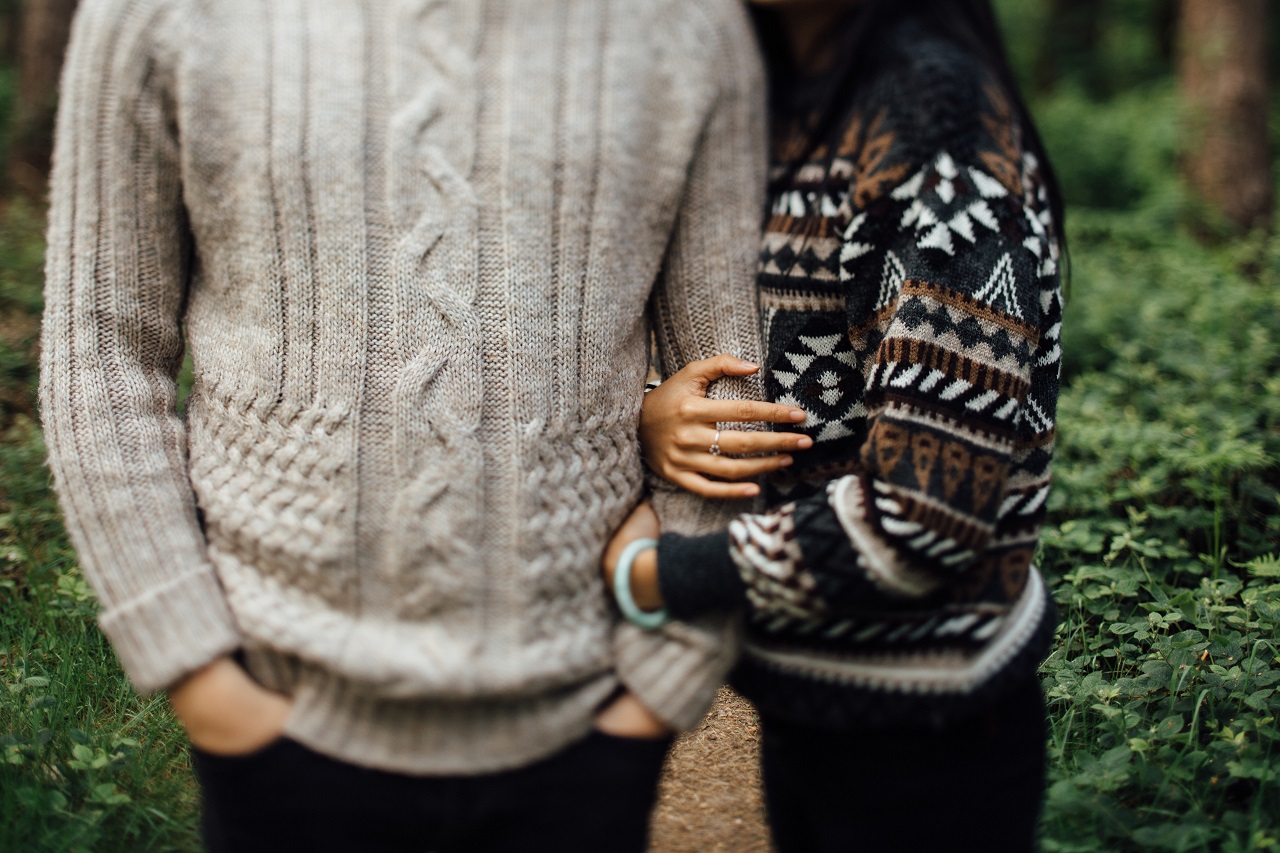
x: 85, y: 763
x: 1165, y: 516
x: 1163, y: 557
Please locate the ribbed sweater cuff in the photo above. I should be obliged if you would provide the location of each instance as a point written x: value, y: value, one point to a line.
x: 433, y: 737
x: 696, y: 575
x: 171, y: 631
x: 675, y: 672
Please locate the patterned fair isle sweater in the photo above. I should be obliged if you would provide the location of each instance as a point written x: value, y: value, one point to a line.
x: 910, y: 284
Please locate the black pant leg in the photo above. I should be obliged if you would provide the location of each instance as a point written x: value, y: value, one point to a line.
x: 975, y: 785
x: 595, y: 796
x: 788, y: 779
x: 287, y: 797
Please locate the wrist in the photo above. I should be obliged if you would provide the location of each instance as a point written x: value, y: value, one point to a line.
x: 209, y: 677
x: 644, y: 581
x: 225, y: 711
x: 623, y: 585
x: 628, y: 717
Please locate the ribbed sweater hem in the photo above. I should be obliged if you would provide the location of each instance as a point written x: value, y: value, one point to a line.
x: 429, y: 737
x: 883, y: 692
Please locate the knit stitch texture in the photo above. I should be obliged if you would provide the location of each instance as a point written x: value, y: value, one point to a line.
x: 411, y: 246
x: 909, y: 278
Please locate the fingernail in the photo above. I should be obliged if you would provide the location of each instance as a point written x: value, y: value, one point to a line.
x: 797, y: 415
x: 804, y: 443
x: 785, y: 461
x: 751, y: 491
x: 748, y: 364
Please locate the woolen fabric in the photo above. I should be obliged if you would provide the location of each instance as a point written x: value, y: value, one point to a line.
x: 409, y: 245
x: 910, y: 283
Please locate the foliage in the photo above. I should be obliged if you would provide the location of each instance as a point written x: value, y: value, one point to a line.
x: 1125, y: 162
x: 21, y: 260
x: 1132, y: 48
x: 85, y: 763
x: 1165, y: 525
x: 1165, y: 528
x: 8, y: 84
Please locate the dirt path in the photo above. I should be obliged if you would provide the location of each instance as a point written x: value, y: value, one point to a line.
x: 709, y: 800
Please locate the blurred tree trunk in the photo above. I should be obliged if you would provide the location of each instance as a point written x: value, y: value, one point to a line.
x: 1164, y: 21
x: 44, y: 29
x: 8, y: 31
x: 1071, y: 34
x: 1223, y: 76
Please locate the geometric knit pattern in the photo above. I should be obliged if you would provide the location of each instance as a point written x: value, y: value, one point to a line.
x: 415, y: 250
x: 913, y: 308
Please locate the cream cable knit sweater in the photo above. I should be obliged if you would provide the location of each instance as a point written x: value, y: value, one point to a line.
x: 410, y: 244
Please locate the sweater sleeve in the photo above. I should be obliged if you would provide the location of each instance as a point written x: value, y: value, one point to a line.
x: 704, y: 304
x: 954, y: 308
x: 116, y: 276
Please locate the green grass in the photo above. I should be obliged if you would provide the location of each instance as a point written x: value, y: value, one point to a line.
x: 85, y: 763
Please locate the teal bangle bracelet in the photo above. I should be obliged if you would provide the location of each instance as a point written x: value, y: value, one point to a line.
x: 646, y: 619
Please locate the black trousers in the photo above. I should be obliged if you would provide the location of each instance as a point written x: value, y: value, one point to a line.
x: 593, y: 796
x: 977, y: 785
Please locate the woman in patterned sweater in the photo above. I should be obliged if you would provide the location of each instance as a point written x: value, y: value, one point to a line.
x: 910, y: 284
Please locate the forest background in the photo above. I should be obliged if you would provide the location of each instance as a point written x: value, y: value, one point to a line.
x: 1163, y: 548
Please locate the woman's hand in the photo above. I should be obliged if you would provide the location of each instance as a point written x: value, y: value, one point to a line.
x: 225, y: 712
x: 641, y: 524
x: 678, y: 431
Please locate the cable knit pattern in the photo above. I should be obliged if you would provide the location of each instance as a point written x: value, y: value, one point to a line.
x: 436, y: 519
x: 412, y: 245
x: 271, y: 491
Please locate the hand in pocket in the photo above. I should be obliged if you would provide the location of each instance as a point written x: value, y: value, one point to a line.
x: 227, y: 713
x: 628, y: 717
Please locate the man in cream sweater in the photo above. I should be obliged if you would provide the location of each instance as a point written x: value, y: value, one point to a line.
x: 410, y: 245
